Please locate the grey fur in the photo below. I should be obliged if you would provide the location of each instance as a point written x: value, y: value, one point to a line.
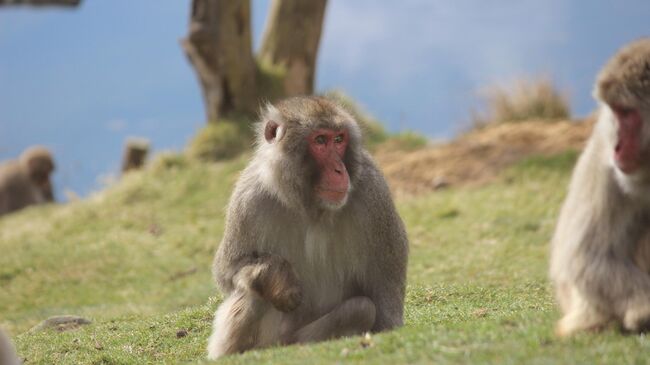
x: 600, y: 258
x: 26, y: 181
x: 7, y: 352
x: 625, y: 79
x: 335, y: 271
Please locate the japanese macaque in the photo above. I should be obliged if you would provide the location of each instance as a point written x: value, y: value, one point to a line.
x: 600, y: 260
x: 313, y: 247
x: 7, y: 352
x: 26, y: 181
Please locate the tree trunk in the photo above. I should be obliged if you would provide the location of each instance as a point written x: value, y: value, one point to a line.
x: 291, y: 41
x: 135, y: 154
x: 219, y: 48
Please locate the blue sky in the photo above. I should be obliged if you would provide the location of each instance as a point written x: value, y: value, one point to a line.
x: 81, y: 81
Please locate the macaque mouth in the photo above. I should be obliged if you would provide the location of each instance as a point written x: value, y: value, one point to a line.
x: 334, y: 181
x: 627, y: 152
x: 334, y: 196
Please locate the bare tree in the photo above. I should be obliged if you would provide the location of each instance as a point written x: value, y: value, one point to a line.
x: 219, y: 46
x: 291, y: 41
x: 135, y: 154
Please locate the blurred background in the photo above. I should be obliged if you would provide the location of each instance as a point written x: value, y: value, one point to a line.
x: 80, y: 80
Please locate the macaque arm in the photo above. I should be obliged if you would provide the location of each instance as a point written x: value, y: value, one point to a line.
x: 603, y: 266
x: 613, y: 277
x: 239, y: 247
x: 387, y: 290
x: 388, y: 268
x: 389, y: 310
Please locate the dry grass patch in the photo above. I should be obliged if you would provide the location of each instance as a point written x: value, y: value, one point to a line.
x: 479, y: 155
x: 525, y: 99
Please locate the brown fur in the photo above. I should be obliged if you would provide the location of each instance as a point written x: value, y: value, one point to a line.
x: 26, y: 181
x: 600, y: 257
x: 294, y: 269
x: 625, y: 79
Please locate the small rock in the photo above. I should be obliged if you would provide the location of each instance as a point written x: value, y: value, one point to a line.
x: 155, y: 230
x: 61, y: 323
x: 440, y: 183
x: 367, y: 341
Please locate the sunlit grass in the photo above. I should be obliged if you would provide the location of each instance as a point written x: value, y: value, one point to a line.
x: 136, y: 260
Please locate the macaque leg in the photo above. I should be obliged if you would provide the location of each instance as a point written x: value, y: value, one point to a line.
x: 352, y: 317
x: 616, y: 284
x: 579, y: 315
x: 249, y: 317
x: 637, y: 317
x: 642, y: 255
x: 632, y: 297
x: 241, y: 323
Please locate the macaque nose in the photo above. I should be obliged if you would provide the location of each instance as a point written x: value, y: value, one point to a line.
x: 338, y: 170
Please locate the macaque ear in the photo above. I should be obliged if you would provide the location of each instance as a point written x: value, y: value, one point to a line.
x: 273, y: 131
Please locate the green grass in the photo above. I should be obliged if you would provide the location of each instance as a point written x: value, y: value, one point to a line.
x: 225, y: 139
x: 136, y: 260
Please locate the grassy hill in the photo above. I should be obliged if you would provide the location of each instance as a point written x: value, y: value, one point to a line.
x: 136, y: 257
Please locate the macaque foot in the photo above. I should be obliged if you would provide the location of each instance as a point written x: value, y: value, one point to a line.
x: 637, y: 319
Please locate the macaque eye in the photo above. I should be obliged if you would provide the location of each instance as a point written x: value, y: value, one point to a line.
x: 321, y: 139
x: 338, y: 139
x: 623, y: 111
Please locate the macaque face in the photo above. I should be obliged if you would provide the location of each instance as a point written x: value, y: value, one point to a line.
x: 327, y: 147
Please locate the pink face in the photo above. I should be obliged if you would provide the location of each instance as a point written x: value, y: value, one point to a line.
x: 327, y: 147
x: 627, y: 153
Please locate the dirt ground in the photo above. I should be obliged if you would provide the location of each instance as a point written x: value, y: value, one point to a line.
x: 476, y: 157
